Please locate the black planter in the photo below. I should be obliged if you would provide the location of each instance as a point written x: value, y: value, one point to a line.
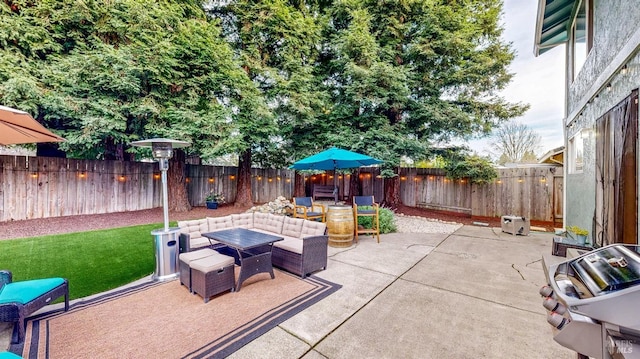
x: 212, y: 205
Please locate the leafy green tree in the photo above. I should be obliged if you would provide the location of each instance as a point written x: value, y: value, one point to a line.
x: 270, y: 81
x: 529, y: 157
x: 277, y: 44
x: 477, y: 169
x: 106, y: 73
x: 406, y: 76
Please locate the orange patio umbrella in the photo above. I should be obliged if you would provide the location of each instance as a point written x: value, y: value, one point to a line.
x: 18, y: 127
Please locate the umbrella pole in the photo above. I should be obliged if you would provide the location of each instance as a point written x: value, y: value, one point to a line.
x: 335, y: 186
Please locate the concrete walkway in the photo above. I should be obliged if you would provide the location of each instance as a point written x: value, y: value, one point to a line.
x: 470, y: 294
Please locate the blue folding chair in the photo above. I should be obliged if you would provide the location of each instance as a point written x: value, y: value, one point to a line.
x: 303, y: 207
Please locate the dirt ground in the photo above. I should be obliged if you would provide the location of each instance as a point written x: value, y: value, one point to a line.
x: 80, y: 223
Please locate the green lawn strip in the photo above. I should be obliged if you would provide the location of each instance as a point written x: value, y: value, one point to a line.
x: 93, y: 262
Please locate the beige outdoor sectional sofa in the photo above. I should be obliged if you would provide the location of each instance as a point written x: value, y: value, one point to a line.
x: 303, y: 250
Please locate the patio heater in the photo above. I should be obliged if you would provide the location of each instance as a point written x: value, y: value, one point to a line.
x: 166, y: 239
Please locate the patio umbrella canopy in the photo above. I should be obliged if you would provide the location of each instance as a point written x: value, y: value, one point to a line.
x: 333, y: 159
x: 17, y: 127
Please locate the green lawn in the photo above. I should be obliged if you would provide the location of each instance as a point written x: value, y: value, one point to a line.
x: 93, y: 261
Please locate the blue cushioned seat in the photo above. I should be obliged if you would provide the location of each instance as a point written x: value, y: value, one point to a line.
x: 303, y: 207
x: 18, y: 300
x: 9, y: 355
x: 25, y: 291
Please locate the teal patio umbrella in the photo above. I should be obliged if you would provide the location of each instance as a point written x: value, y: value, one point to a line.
x: 334, y: 159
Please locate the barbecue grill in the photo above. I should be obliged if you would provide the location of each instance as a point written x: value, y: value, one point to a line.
x: 592, y: 302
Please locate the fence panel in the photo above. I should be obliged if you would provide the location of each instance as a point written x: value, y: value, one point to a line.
x: 40, y: 187
x: 525, y: 192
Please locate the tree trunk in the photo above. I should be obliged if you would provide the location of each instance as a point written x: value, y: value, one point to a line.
x: 354, y: 185
x: 392, y: 191
x: 116, y: 151
x: 177, y: 184
x: 299, y: 185
x: 244, y: 198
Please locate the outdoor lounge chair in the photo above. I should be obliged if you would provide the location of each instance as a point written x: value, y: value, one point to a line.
x: 305, y: 208
x: 372, y: 210
x: 18, y: 300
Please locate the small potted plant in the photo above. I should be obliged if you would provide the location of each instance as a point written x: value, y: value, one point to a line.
x: 581, y: 234
x: 213, y: 199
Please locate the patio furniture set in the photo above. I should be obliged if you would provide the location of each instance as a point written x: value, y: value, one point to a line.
x: 211, y: 247
x: 363, y: 206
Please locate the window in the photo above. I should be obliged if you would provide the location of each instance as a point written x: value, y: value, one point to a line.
x: 576, y: 152
x: 581, y: 32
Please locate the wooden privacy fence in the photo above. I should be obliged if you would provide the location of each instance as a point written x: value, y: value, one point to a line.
x: 41, y: 187
x: 266, y: 184
x: 532, y: 192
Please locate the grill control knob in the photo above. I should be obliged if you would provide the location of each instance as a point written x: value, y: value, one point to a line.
x: 557, y: 320
x: 546, y: 291
x: 552, y: 305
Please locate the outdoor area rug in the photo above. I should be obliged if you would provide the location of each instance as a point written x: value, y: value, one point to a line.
x: 163, y: 320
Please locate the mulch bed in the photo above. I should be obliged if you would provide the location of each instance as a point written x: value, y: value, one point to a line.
x: 466, y: 219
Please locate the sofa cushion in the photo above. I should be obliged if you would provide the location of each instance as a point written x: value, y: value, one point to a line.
x: 292, y: 245
x: 199, y: 242
x: 189, y: 257
x: 260, y: 220
x: 292, y: 227
x: 25, y: 291
x: 213, y: 262
x: 194, y: 228
x: 268, y: 222
x: 242, y: 220
x: 313, y: 228
x: 218, y: 223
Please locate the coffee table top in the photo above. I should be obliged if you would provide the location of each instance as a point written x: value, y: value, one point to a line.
x: 242, y: 238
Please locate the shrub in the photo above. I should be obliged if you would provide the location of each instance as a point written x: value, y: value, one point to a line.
x: 387, y: 220
x: 478, y: 169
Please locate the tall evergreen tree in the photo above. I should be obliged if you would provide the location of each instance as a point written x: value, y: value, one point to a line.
x: 407, y: 76
x: 106, y: 73
x: 270, y: 80
x: 277, y: 44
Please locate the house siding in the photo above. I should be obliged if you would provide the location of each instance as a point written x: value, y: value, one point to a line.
x: 616, y: 41
x: 615, y: 22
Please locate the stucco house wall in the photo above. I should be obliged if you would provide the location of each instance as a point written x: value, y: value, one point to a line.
x: 598, y: 87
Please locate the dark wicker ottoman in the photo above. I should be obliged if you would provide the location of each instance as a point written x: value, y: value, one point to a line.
x: 186, y: 259
x: 212, y: 275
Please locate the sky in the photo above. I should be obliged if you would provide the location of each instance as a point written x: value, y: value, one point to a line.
x: 538, y: 81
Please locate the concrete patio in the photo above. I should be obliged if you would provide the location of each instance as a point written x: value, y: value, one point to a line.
x: 470, y: 294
